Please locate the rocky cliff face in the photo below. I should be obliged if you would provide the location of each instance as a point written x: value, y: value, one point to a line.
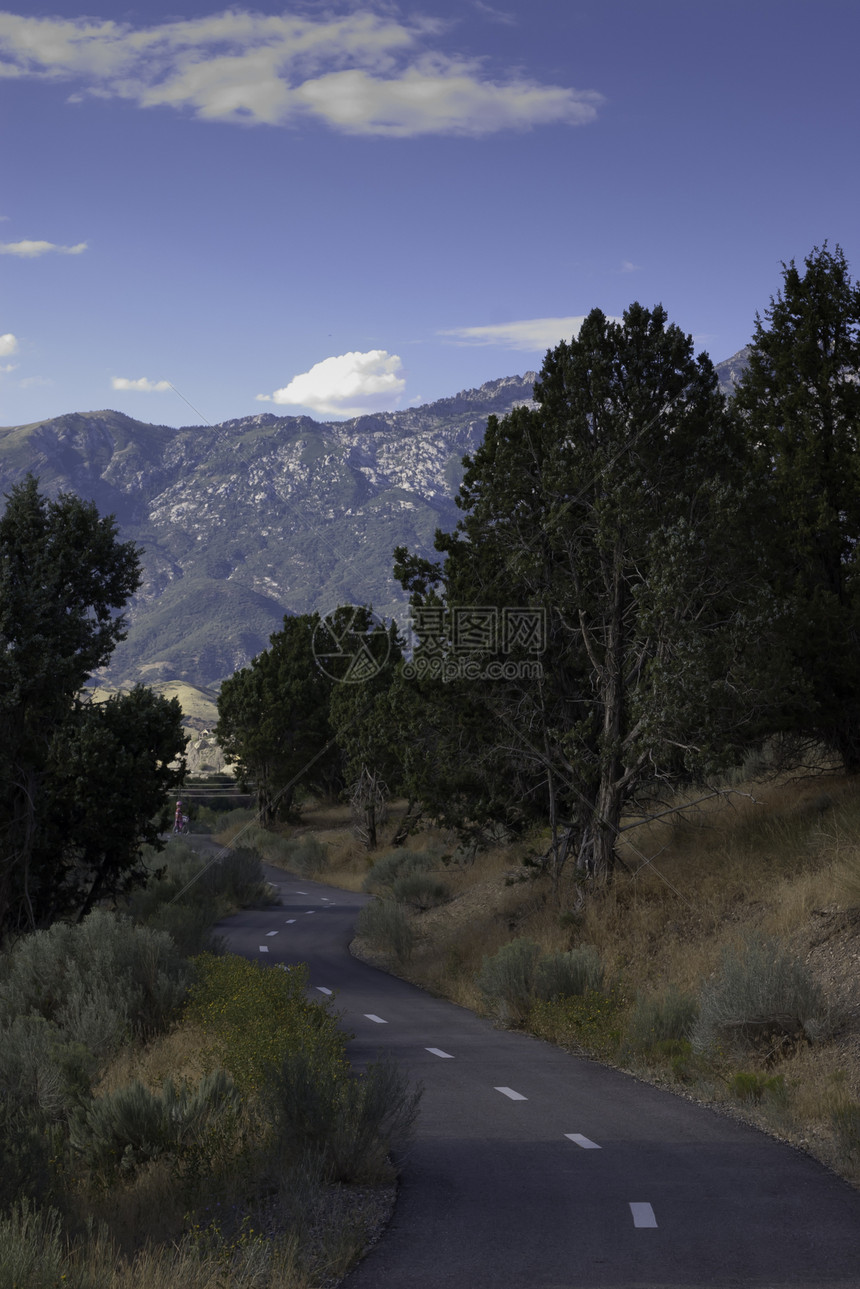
x: 242, y: 522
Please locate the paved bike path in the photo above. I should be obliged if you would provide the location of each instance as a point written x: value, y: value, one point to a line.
x: 534, y: 1169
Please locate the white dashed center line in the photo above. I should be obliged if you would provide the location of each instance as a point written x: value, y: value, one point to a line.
x: 323, y: 989
x: 271, y: 933
x: 579, y: 1140
x: 307, y: 911
x: 437, y: 1051
x: 509, y: 1092
x: 643, y: 1215
x: 378, y: 1019
x: 290, y: 921
x: 264, y: 948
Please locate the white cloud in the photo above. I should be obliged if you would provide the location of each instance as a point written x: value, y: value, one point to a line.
x: 362, y: 73
x: 35, y: 382
x: 142, y: 386
x: 532, y: 334
x: 8, y: 344
x: 347, y: 385
x: 29, y: 250
x: 627, y: 266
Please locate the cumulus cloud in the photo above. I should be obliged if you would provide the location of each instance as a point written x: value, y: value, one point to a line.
x: 29, y: 250
x: 362, y: 73
x: 347, y: 385
x: 8, y: 344
x: 532, y: 334
x: 142, y: 385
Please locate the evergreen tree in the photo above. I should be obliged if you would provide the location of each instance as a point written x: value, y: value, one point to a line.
x: 619, y: 507
x: 273, y: 720
x: 64, y: 576
x: 799, y: 400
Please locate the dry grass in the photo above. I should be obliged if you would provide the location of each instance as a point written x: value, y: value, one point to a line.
x: 779, y: 859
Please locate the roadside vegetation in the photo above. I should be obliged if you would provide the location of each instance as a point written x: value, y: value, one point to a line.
x: 727, y: 969
x: 174, y: 1116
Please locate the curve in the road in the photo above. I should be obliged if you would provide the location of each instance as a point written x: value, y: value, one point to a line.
x: 533, y: 1169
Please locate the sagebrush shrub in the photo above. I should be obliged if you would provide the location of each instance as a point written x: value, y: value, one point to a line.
x: 31, y: 1248
x: 349, y: 1122
x: 120, y: 1131
x: 661, y: 1019
x: 94, y: 980
x: 761, y: 995
x: 420, y: 890
x: 308, y: 856
x: 385, y: 925
x: 398, y: 863
x: 565, y: 975
x: 507, y: 979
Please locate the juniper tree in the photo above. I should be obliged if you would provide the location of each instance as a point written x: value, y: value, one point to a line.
x: 799, y: 401
x: 619, y: 505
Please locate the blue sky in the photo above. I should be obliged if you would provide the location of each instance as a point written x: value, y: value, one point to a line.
x: 331, y: 208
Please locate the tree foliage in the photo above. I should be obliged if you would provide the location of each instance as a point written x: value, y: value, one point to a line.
x: 273, y: 719
x: 799, y: 403
x: 80, y: 781
x: 615, y: 508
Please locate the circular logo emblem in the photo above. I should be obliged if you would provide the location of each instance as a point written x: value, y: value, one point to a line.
x: 351, y: 644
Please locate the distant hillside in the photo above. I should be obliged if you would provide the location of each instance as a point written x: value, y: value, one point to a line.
x: 244, y: 522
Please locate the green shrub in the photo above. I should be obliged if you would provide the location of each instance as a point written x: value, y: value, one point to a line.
x: 507, y: 980
x: 562, y: 975
x: 760, y: 997
x: 349, y: 1122
x: 397, y: 863
x: 756, y: 1087
x: 665, y: 1018
x: 420, y: 890
x: 385, y: 925
x: 118, y: 1132
x: 590, y: 1023
x: 255, y: 1015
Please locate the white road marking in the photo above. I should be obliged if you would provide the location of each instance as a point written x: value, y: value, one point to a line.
x: 586, y: 1144
x: 509, y: 1092
x: 437, y: 1051
x: 290, y: 921
x: 323, y: 989
x: 378, y: 1019
x: 299, y: 892
x: 307, y: 911
x: 643, y: 1215
x: 264, y: 948
x: 271, y: 933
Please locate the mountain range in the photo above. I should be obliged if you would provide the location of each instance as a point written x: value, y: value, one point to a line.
x: 243, y: 522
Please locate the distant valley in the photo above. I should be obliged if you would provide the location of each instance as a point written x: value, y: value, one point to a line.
x: 242, y: 522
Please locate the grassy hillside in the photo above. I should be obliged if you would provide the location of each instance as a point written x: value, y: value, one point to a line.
x: 772, y: 864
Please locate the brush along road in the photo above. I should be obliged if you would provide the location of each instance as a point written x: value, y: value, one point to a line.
x: 533, y: 1169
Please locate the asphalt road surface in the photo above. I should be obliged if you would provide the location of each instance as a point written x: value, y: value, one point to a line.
x: 533, y: 1169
